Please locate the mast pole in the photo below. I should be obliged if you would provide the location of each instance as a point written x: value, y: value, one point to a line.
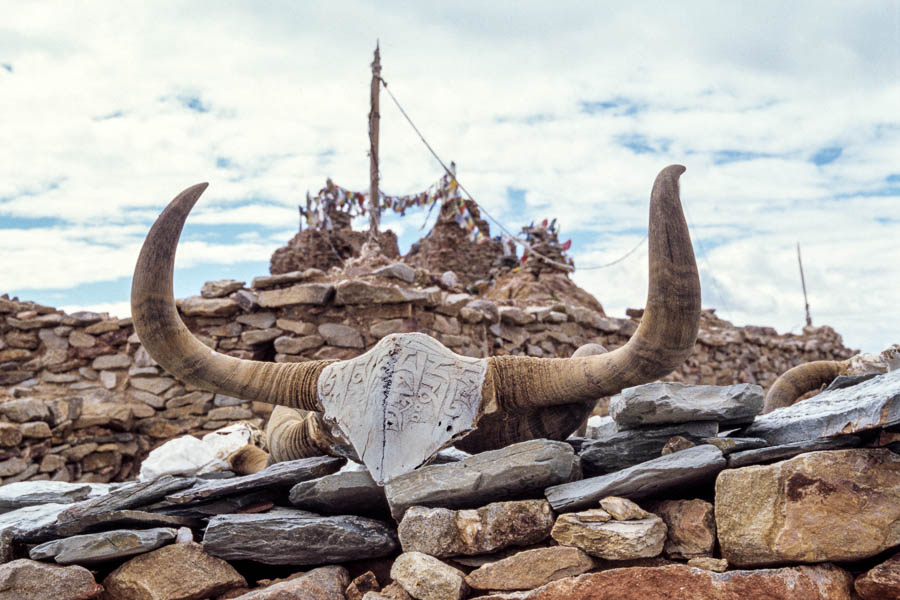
x: 803, y: 283
x: 374, y: 118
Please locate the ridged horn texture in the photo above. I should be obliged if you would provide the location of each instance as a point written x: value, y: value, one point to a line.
x: 804, y: 378
x: 293, y: 434
x: 661, y: 343
x: 172, y: 345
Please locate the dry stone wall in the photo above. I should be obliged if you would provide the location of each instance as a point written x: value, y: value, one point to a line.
x: 81, y: 400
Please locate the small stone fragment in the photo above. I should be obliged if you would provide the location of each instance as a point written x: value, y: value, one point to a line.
x: 366, y: 582
x: 623, y: 509
x: 219, y: 288
x: 426, y: 578
x: 716, y: 565
x: 530, y: 569
x: 324, y: 583
x: 612, y: 540
x: 881, y: 582
x: 691, y: 525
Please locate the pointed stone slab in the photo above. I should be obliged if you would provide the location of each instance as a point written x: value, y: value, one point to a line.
x: 96, y: 548
x: 402, y: 401
x: 132, y: 495
x: 283, y: 474
x: 125, y: 519
x: 868, y: 405
x: 29, y: 493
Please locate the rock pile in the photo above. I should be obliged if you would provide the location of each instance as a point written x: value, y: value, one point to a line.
x: 714, y: 519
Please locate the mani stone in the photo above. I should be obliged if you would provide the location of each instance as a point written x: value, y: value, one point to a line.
x: 95, y: 548
x: 426, y: 578
x: 176, y: 571
x: 839, y: 505
x: 517, y: 471
x: 819, y: 582
x: 27, y: 579
x: 293, y: 537
x: 28, y: 493
x: 442, y: 532
x: 786, y: 451
x: 691, y: 527
x: 530, y: 569
x: 613, y: 449
x: 341, y: 493
x: 222, y: 287
x: 302, y: 293
x: 881, y: 582
x: 871, y: 404
x: 283, y: 474
x: 688, y: 467
x: 662, y: 403
x: 360, y: 292
x: 594, y: 532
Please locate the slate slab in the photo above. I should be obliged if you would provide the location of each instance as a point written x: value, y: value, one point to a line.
x: 96, y: 548
x: 686, y: 467
x: 518, y: 471
x: 666, y: 402
x: 131, y: 495
x: 124, y: 519
x: 342, y: 493
x: 29, y: 493
x: 868, y: 405
x: 281, y: 474
x: 615, y: 449
x: 785, y: 451
x: 729, y: 445
x: 288, y: 537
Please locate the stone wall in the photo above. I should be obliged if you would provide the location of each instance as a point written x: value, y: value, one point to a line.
x: 81, y: 400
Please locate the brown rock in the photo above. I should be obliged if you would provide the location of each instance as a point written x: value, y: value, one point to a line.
x: 100, y: 327
x: 292, y: 345
x: 260, y: 336
x: 530, y: 569
x: 816, y: 507
x: 426, y: 578
x: 367, y: 582
x: 25, y: 579
x: 881, y: 582
x: 361, y: 292
x: 175, y: 572
x: 10, y: 434
x: 298, y: 327
x: 303, y: 293
x: 197, y: 306
x: 34, y: 429
x: 612, y: 540
x: 623, y: 509
x: 681, y: 582
x: 341, y: 335
x: 442, y: 532
x: 222, y: 287
x: 692, y: 527
x: 111, y: 361
x: 719, y: 565
x: 324, y: 583
x: 676, y: 443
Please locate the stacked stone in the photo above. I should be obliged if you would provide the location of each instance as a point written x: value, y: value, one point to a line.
x: 522, y: 522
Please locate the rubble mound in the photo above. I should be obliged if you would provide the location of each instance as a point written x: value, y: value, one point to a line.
x: 318, y: 249
x: 545, y: 287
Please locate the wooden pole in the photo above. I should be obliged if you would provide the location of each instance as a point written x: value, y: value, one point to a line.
x: 803, y: 283
x: 374, y: 118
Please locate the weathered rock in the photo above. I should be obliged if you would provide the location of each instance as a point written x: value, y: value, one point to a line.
x: 80, y: 339
x: 820, y: 582
x: 25, y: 579
x: 289, y: 537
x: 442, y: 532
x: 345, y: 492
x: 614, y: 449
x: 691, y: 527
x: 426, y: 578
x: 12, y: 466
x: 622, y: 509
x: 197, y: 306
x: 283, y: 474
x: 729, y: 445
x: 688, y: 467
x: 111, y: 361
x: 10, y: 434
x: 30, y: 493
x: 869, y: 405
x: 517, y: 471
x: 785, y: 451
x: 153, y: 385
x: 341, y: 335
x: 131, y: 495
x: 122, y: 519
x: 367, y: 582
x: 324, y: 583
x: 298, y: 327
x: 823, y: 506
x: 303, y: 293
x: 35, y: 429
x: 95, y: 548
x: 260, y: 336
x: 174, y: 572
x: 219, y: 288
x: 266, y: 281
x: 397, y: 270
x: 594, y: 532
x: 361, y: 292
x: 25, y: 409
x: 530, y: 569
x: 296, y: 345
x: 717, y: 565
x: 881, y: 582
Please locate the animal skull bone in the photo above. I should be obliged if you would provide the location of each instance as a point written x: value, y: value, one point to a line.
x: 409, y: 396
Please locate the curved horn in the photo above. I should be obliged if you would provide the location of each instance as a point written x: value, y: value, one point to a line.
x: 807, y: 377
x: 663, y: 340
x: 172, y: 345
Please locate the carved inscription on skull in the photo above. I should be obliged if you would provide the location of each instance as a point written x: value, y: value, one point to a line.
x: 402, y: 401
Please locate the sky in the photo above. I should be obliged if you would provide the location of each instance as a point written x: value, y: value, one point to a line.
x: 786, y: 115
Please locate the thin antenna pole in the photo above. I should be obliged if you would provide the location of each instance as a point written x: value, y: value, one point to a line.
x: 374, y: 118
x: 803, y: 282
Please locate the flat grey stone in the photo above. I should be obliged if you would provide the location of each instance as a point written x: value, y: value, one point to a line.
x: 729, y: 445
x: 686, y: 467
x: 665, y: 402
x: 28, y: 493
x: 346, y: 492
x: 287, y: 537
x: 614, y: 449
x: 30, y: 524
x: 216, y: 506
x: 845, y: 381
x: 400, y: 271
x: 124, y: 519
x: 785, y: 451
x: 283, y: 474
x: 872, y: 404
x: 95, y: 548
x: 132, y: 495
x: 518, y: 471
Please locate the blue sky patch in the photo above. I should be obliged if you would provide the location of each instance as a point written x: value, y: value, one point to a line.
x: 6, y: 66
x: 639, y: 144
x: 113, y: 115
x: 723, y: 157
x: 826, y: 155
x: 193, y: 103
x: 10, y: 222
x: 515, y: 195
x: 223, y: 162
x: 619, y: 106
